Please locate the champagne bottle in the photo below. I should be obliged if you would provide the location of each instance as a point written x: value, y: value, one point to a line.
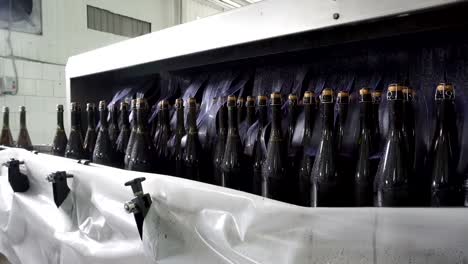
x: 220, y: 144
x: 247, y: 180
x: 60, y: 139
x: 124, y: 135
x: 240, y: 110
x: 142, y: 157
x: 292, y: 156
x: 162, y: 136
x: 324, y: 191
x: 91, y: 135
x: 250, y: 106
x: 114, y: 129
x: 131, y: 139
x: 231, y: 166
x: 179, y: 134
x: 78, y: 118
x: 24, y: 141
x: 192, y: 152
x: 103, y: 153
x: 345, y: 169
x: 74, y: 149
x: 307, y: 160
x: 6, y: 139
x: 376, y: 140
x: 258, y: 150
x: 446, y: 184
x: 274, y: 181
x: 391, y: 187
x: 363, y: 178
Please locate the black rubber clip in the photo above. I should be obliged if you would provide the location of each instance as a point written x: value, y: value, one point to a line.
x: 18, y: 181
x: 139, y: 205
x: 59, y: 186
x: 84, y: 161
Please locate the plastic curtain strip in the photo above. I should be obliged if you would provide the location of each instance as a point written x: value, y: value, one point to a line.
x: 191, y: 222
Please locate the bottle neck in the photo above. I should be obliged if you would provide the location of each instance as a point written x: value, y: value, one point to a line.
x: 192, y: 119
x: 222, y: 119
x: 232, y: 118
x: 262, y: 115
x: 103, y: 118
x: 292, y: 116
x: 327, y: 116
x: 23, y: 120
x: 342, y: 113
x: 180, y: 120
x: 114, y: 117
x: 91, y: 120
x: 164, y: 118
x: 276, y: 120
x: 250, y: 115
x: 60, y: 120
x: 124, y: 118
x: 240, y: 113
x: 365, y: 115
x: 446, y: 114
x: 6, y: 120
x: 308, y: 122
x: 74, y: 119
x: 142, y: 119
x: 395, y: 108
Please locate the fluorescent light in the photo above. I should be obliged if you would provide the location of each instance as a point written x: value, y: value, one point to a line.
x: 253, y: 1
x: 232, y: 3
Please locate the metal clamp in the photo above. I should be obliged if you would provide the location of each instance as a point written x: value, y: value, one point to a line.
x: 139, y: 205
x: 59, y: 186
x: 18, y: 181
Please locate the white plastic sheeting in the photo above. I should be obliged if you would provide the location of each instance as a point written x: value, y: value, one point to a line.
x: 192, y: 222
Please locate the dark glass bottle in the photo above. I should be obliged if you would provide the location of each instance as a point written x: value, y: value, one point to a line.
x: 220, y: 144
x: 292, y: 151
x: 345, y: 170
x: 192, y: 152
x: 408, y: 122
x: 24, y: 141
x: 376, y: 140
x: 102, y: 153
x: 6, y: 139
x: 60, y: 139
x: 131, y: 139
x: 365, y: 170
x: 124, y: 135
x: 248, y: 161
x: 446, y: 184
x: 258, y: 150
x: 231, y: 166
x: 179, y: 134
x: 161, y: 137
x: 114, y: 129
x: 142, y: 157
x: 250, y: 106
x: 78, y: 122
x: 74, y: 148
x: 324, y: 191
x: 274, y: 181
x: 240, y: 110
x: 91, y: 135
x: 391, y: 181
x: 307, y: 159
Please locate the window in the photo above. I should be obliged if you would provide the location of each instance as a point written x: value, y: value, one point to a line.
x: 106, y: 21
x: 21, y: 15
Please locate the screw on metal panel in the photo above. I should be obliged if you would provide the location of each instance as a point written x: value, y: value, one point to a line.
x: 336, y: 16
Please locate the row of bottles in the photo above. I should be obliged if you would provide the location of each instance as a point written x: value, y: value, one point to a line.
x: 380, y: 172
x: 23, y: 140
